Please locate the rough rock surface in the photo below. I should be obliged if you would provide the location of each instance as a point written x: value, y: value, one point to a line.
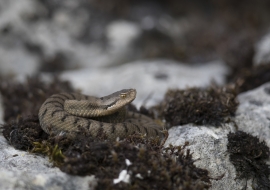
x: 253, y: 113
x: 262, y: 54
x: 26, y: 43
x: 209, y: 144
x: 23, y: 170
x: 1, y: 111
x: 150, y: 78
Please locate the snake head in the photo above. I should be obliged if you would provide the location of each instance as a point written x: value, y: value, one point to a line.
x: 97, y: 107
x: 117, y: 100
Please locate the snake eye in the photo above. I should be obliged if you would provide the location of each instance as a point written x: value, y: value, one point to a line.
x: 123, y: 95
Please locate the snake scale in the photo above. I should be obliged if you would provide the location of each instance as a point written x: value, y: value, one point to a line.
x: 64, y: 112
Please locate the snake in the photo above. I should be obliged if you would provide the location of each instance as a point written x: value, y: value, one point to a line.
x: 67, y: 112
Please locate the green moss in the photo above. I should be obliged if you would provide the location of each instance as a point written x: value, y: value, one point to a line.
x: 53, y: 152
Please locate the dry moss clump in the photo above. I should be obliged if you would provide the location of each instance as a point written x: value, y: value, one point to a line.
x: 249, y: 157
x: 23, y: 99
x: 21, y: 105
x: 252, y: 78
x: 151, y: 166
x: 55, y: 63
x: 21, y: 133
x: 200, y: 106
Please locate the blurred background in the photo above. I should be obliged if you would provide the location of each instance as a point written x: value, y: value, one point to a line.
x: 101, y: 46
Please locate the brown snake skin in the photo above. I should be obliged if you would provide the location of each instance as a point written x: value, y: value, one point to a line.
x: 66, y: 111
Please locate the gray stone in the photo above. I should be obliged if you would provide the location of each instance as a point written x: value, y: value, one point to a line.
x: 262, y: 51
x: 24, y: 170
x: 17, y: 62
x: 209, y: 144
x: 150, y: 78
x: 1, y: 110
x: 253, y: 113
x: 60, y: 34
x: 14, y: 58
x: 49, y: 36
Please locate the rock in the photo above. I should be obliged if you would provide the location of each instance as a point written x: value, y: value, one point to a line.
x: 31, y: 31
x: 209, y: 144
x: 29, y: 34
x: 1, y: 110
x: 262, y: 51
x: 121, y: 33
x: 24, y: 170
x: 14, y: 57
x: 253, y: 113
x: 17, y: 62
x: 150, y: 78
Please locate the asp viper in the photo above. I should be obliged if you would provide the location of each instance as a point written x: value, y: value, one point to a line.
x: 66, y: 111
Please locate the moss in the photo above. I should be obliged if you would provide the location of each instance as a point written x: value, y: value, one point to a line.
x: 251, y: 78
x: 155, y: 44
x: 82, y: 155
x: 53, y: 152
x: 239, y: 54
x: 86, y: 156
x: 56, y: 63
x: 21, y: 105
x: 21, y: 133
x: 23, y: 99
x: 152, y: 167
x: 200, y: 106
x: 249, y: 157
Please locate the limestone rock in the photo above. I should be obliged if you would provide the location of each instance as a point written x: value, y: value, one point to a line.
x: 209, y: 144
x: 150, y: 78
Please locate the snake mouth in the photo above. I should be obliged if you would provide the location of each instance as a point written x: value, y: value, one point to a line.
x: 111, y: 105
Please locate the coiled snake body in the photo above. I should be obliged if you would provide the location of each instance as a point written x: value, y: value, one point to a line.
x: 66, y: 111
